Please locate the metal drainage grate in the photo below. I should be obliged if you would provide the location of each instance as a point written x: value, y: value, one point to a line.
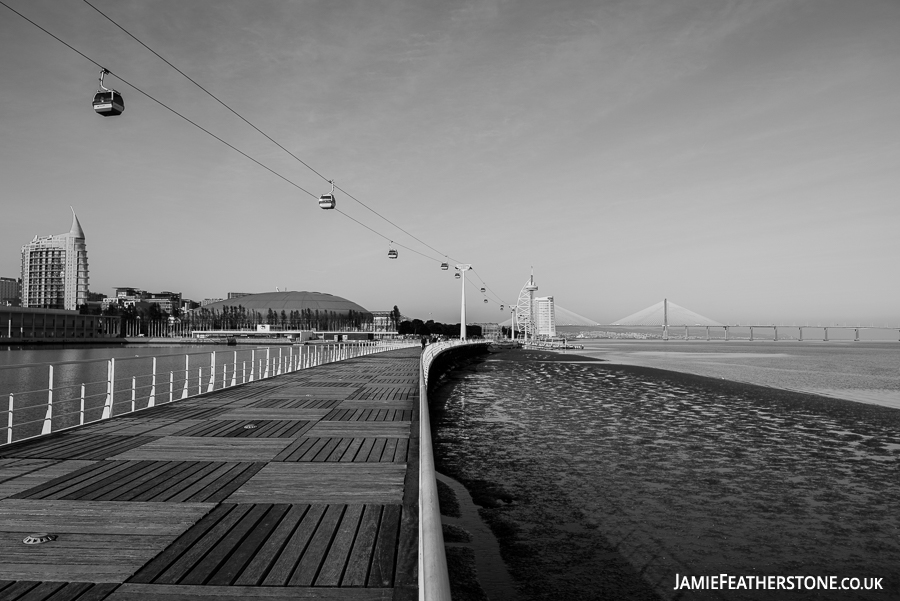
x: 40, y: 537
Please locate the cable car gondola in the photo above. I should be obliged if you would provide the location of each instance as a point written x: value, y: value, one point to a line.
x: 485, y: 301
x: 501, y: 307
x: 445, y: 266
x: 327, y: 201
x: 482, y: 290
x: 108, y: 103
x: 456, y: 275
x: 392, y: 253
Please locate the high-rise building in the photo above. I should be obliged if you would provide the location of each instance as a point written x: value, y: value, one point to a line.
x: 545, y: 316
x: 9, y: 292
x: 55, y: 270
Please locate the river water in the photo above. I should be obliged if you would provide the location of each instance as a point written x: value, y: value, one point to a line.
x: 24, y: 374
x: 606, y: 480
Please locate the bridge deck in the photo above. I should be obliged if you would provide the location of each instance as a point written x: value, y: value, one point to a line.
x: 302, y: 486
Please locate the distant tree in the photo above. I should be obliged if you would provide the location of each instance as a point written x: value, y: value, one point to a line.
x: 405, y: 327
x: 395, y: 317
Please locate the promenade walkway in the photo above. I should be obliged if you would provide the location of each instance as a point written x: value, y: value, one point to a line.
x: 301, y: 486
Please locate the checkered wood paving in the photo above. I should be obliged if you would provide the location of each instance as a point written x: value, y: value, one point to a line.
x: 297, y: 487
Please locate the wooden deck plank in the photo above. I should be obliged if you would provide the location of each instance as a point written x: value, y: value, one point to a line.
x: 375, y: 453
x: 327, y: 429
x: 284, y: 567
x: 133, y: 475
x: 162, y: 562
x: 53, y: 470
x: 265, y: 557
x: 336, y: 560
x: 165, y: 481
x: 181, y: 566
x: 42, y: 591
x: 363, y: 547
x: 235, y: 564
x: 151, y: 592
x: 63, y: 485
x: 352, y: 449
x: 382, y: 572
x: 254, y: 413
x: 187, y: 448
x: 201, y: 481
x: 390, y: 447
x: 306, y: 570
x: 332, y: 482
x: 203, y: 570
x: 329, y: 447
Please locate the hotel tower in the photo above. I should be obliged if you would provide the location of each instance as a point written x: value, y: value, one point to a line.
x: 55, y: 270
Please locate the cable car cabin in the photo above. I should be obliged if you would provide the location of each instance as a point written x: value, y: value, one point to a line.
x: 444, y: 266
x: 457, y: 276
x: 108, y: 103
x: 327, y: 201
x: 392, y: 254
x: 485, y: 301
x: 482, y: 290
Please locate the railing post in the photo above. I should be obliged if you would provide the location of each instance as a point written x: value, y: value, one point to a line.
x: 234, y: 373
x: 267, y: 362
x: 187, y: 375
x: 9, y: 420
x: 243, y: 372
x: 110, y: 389
x: 151, y: 402
x: 81, y: 407
x: 133, y: 388
x: 212, y: 372
x: 48, y: 418
x: 252, y: 363
x: 200, y: 380
x: 171, y: 386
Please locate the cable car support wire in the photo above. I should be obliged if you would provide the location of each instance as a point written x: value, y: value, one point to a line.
x: 231, y: 146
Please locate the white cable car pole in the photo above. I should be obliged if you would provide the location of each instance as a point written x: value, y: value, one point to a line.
x: 463, y: 268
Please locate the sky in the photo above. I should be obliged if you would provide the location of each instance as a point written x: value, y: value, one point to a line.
x: 736, y: 157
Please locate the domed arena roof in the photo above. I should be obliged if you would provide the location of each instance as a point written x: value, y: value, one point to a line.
x: 290, y: 301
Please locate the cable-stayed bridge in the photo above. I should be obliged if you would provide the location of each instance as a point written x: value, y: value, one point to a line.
x: 666, y: 314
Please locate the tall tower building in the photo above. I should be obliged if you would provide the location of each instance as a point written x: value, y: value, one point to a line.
x: 545, y: 316
x: 55, y: 270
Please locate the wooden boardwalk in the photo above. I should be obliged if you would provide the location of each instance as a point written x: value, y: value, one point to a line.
x: 302, y: 486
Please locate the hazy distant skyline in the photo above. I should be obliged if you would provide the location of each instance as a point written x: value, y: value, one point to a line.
x: 738, y: 158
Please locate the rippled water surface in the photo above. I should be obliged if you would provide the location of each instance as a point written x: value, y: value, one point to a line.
x: 618, y: 477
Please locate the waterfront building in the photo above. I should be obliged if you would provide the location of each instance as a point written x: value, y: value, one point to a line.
x: 295, y: 310
x: 55, y: 270
x: 20, y: 324
x: 233, y: 295
x: 130, y: 297
x: 382, y: 321
x: 545, y: 316
x: 209, y: 301
x: 10, y: 291
x: 488, y: 330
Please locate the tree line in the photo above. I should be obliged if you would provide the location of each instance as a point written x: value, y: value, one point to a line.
x: 435, y: 328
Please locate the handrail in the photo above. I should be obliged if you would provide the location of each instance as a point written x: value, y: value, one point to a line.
x: 139, y: 391
x: 434, y: 580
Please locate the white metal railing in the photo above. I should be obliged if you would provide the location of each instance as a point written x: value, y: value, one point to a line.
x: 77, y: 393
x: 434, y: 581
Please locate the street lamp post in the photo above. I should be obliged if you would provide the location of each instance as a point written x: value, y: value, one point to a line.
x: 463, y: 267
